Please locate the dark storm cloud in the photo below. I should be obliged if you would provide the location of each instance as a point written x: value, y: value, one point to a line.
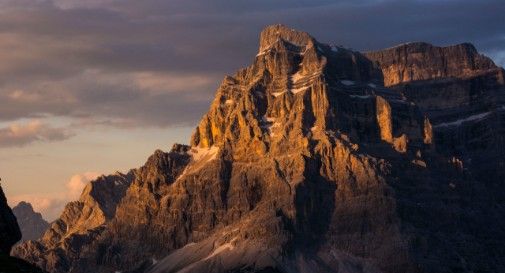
x: 158, y: 62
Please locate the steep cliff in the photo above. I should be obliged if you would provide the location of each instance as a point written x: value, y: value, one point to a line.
x: 305, y: 162
x: 9, y: 235
x: 422, y: 61
x: 79, y: 224
x: 31, y: 223
x: 463, y: 94
x: 9, y: 229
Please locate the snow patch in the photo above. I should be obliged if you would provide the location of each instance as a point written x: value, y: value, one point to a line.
x: 335, y: 49
x: 360, y: 97
x: 460, y: 121
x: 220, y: 249
x: 372, y: 85
x: 204, y: 154
x: 299, y: 77
x: 189, y: 244
x: 347, y: 82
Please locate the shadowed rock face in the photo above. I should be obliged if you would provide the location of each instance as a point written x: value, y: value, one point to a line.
x: 31, y: 223
x: 463, y: 94
x: 79, y: 224
x: 305, y: 162
x: 9, y: 229
x: 9, y: 235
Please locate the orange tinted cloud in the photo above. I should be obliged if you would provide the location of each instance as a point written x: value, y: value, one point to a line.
x: 51, y: 205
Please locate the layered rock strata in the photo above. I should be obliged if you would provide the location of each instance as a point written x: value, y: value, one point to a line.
x: 312, y: 159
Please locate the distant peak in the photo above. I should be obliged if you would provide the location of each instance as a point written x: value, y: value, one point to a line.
x: 417, y: 45
x: 24, y: 205
x: 272, y: 33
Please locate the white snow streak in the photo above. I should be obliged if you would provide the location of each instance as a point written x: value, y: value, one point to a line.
x: 460, y: 121
x: 204, y: 154
x: 347, y: 82
x: 360, y: 97
x: 220, y: 249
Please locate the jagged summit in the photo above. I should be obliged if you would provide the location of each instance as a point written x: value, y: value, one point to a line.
x: 295, y: 89
x: 275, y: 33
x: 31, y: 223
x: 424, y: 61
x: 308, y: 162
x: 24, y: 205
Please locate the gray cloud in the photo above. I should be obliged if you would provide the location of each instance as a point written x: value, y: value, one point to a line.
x: 158, y: 62
x: 23, y: 134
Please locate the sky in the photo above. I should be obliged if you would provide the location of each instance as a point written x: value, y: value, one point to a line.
x: 91, y: 87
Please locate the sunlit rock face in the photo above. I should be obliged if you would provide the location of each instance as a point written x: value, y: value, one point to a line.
x: 305, y: 162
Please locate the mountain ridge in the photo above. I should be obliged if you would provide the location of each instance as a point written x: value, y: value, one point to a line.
x: 305, y: 162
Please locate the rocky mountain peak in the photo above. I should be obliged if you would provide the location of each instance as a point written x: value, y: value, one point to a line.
x: 295, y: 89
x: 31, y: 223
x: 307, y: 162
x: 24, y: 206
x: 275, y: 33
x: 423, y: 61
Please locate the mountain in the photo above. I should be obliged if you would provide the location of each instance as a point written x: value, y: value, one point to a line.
x: 31, y: 223
x: 462, y: 93
x: 80, y: 223
x: 9, y: 235
x: 315, y: 158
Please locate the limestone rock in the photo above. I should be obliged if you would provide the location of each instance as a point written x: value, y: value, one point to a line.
x: 308, y: 160
x: 423, y: 61
x: 462, y: 93
x: 79, y: 224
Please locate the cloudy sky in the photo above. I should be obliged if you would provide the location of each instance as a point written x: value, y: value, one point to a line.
x: 94, y: 86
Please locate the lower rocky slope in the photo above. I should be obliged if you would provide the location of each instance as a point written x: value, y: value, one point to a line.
x: 305, y: 162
